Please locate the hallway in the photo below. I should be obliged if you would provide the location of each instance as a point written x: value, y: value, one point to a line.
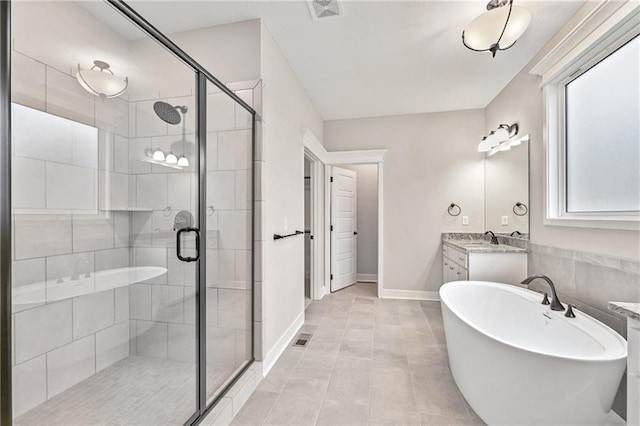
x: 369, y: 361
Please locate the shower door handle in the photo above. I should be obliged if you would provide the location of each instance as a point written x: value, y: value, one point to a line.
x: 179, y: 245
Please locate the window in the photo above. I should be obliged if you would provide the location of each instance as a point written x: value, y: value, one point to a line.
x: 602, y: 135
x: 591, y: 88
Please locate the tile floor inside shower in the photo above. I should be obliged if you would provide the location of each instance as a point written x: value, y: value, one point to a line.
x: 370, y: 361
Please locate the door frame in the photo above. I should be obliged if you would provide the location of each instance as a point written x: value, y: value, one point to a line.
x: 325, y: 160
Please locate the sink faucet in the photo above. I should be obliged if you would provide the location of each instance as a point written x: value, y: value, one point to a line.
x: 494, y: 239
x: 555, y: 302
x: 76, y: 268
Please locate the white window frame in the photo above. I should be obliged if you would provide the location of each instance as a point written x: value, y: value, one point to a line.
x: 604, y: 39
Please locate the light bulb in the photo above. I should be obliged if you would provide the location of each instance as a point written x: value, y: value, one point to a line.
x: 171, y: 158
x: 183, y: 161
x: 158, y: 155
x: 502, y: 134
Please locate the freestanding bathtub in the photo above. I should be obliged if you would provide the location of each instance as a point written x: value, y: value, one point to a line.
x: 519, y: 363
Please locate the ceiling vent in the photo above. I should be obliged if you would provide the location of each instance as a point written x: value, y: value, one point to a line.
x: 321, y: 9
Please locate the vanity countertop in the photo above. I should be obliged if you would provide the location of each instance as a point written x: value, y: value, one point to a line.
x: 481, y: 246
x: 631, y: 310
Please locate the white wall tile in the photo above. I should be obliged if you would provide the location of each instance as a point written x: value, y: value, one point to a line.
x: 139, y: 151
x: 120, y: 154
x: 93, y: 312
x: 243, y: 189
x: 71, y: 187
x: 42, y: 329
x: 29, y: 385
x: 92, y: 232
x: 28, y: 273
x: 28, y: 183
x: 122, y: 304
x: 212, y: 307
x: 141, y: 228
x: 112, y: 259
x: 151, y: 191
x: 189, y: 305
x: 212, y: 267
x: 40, y: 235
x: 84, y: 146
x: 243, y: 269
x: 212, y: 151
x: 220, y: 112
x: 179, y: 191
x: 151, y: 340
x: 233, y: 308
x: 152, y: 256
x: 27, y: 81
x: 234, y: 229
x: 70, y: 364
x: 106, y: 140
x: 167, y: 303
x: 182, y: 343
x: 112, y: 345
x: 147, y: 122
x: 66, y: 98
x: 121, y: 229
x: 70, y: 266
x: 140, y: 301
x: 221, y: 190
x: 226, y: 268
x: 234, y: 150
x: 113, y: 115
x: 114, y: 190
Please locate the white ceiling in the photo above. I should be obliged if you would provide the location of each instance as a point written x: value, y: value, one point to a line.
x: 381, y: 57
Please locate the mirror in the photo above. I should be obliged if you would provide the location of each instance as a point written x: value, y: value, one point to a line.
x: 506, y: 191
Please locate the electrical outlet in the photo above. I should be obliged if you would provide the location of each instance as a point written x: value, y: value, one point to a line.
x: 286, y: 224
x: 505, y: 220
x: 465, y: 220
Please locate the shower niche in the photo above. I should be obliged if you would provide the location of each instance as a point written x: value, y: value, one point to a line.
x: 105, y: 313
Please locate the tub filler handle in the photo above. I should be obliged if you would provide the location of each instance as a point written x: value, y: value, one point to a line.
x: 545, y: 300
x: 569, y: 313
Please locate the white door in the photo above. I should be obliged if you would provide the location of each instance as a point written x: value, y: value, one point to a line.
x: 343, y: 228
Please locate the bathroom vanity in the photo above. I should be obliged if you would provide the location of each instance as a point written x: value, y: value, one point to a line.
x: 632, y: 312
x: 478, y: 260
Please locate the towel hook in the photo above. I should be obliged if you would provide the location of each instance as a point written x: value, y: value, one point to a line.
x: 520, y: 206
x: 452, y: 208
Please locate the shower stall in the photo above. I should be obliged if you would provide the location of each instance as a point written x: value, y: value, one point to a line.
x: 130, y: 293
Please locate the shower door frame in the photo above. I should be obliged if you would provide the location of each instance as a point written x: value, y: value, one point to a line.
x: 203, y: 76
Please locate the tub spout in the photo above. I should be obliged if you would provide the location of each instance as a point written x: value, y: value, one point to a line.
x: 555, y: 302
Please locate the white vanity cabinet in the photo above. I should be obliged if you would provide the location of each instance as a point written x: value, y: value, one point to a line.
x: 502, y: 264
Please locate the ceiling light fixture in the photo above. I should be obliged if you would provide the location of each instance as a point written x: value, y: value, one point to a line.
x: 498, y: 28
x: 101, y: 81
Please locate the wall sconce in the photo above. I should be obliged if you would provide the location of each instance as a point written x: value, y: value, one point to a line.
x: 496, y: 29
x: 101, y: 81
x: 497, y: 137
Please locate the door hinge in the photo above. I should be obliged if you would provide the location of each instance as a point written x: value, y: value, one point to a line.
x: 331, y: 179
x: 311, y: 237
x: 331, y: 277
x: 331, y: 228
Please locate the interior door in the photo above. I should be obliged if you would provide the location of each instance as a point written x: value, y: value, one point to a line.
x: 343, y: 228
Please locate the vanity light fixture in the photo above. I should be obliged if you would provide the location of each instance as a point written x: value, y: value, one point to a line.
x: 183, y: 161
x: 498, y: 28
x: 499, y: 138
x: 101, y: 81
x: 171, y: 158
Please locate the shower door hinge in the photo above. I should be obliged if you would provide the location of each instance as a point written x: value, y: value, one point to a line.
x: 331, y: 179
x: 331, y: 228
x: 331, y: 277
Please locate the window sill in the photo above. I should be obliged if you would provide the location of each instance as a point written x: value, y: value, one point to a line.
x: 601, y: 222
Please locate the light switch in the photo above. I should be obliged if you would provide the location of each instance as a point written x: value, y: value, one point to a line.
x: 465, y: 220
x: 286, y: 224
x: 505, y: 220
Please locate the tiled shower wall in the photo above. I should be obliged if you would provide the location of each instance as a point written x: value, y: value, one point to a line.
x: 73, y: 213
x: 61, y: 230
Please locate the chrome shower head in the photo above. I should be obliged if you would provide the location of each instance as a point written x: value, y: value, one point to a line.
x: 169, y: 113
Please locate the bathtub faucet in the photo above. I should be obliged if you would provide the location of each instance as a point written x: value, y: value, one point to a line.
x: 555, y: 302
x: 494, y: 239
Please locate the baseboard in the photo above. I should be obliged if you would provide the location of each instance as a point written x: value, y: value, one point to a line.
x: 410, y: 294
x: 281, y: 344
x: 367, y: 278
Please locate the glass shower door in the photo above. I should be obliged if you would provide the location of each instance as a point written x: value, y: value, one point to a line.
x: 103, y: 308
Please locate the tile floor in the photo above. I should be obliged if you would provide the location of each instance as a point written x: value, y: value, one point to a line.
x: 370, y: 361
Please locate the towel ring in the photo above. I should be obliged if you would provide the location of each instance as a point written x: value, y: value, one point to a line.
x: 452, y: 208
x: 520, y: 206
